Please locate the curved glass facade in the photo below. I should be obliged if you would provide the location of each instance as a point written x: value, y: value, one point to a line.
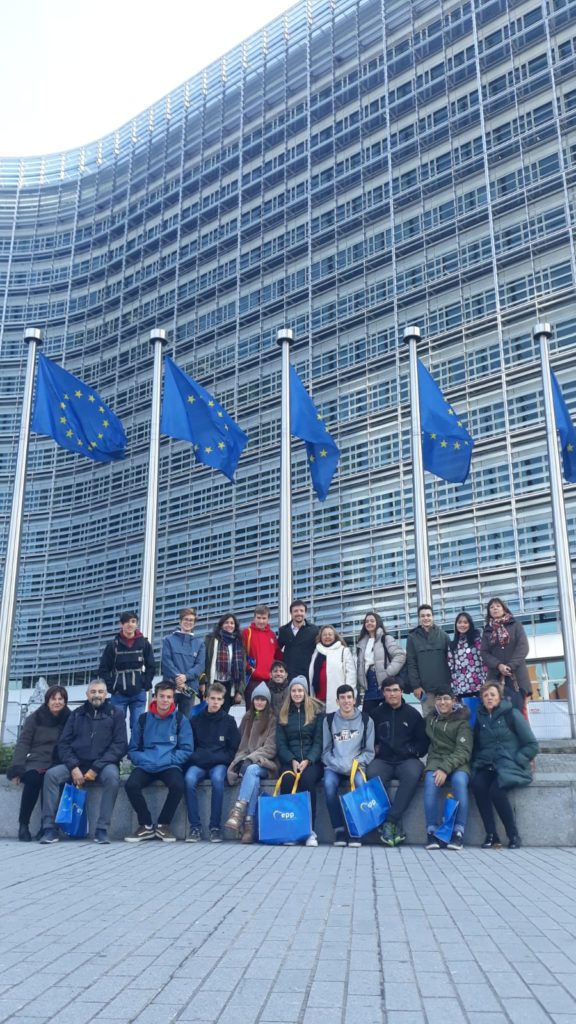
x: 353, y: 168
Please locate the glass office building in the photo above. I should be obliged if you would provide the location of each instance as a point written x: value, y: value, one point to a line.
x: 355, y: 167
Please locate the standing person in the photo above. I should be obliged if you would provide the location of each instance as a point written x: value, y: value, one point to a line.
x: 183, y: 661
x: 467, y: 669
x: 504, y: 747
x: 331, y: 666
x: 226, y: 659
x: 299, y: 740
x: 378, y: 658
x: 216, y: 740
x: 160, y: 746
x: 401, y: 740
x: 278, y: 686
x: 347, y: 736
x: 255, y: 760
x: 427, y: 659
x: 91, y: 746
x: 262, y: 650
x: 297, y: 640
x: 127, y: 667
x: 448, y: 761
x: 35, y: 752
x: 504, y: 649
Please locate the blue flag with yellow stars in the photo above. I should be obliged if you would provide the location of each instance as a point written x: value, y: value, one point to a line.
x: 75, y: 416
x: 190, y: 413
x: 566, y: 430
x: 446, y: 444
x: 307, y: 424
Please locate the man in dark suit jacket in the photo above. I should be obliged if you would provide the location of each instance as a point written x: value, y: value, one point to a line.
x: 297, y: 639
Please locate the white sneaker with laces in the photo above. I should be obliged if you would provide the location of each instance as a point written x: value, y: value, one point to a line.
x: 312, y: 840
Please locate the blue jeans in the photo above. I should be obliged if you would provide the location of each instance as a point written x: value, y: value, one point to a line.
x: 250, y: 786
x: 217, y: 776
x: 457, y: 782
x: 331, y: 782
x: 135, y: 705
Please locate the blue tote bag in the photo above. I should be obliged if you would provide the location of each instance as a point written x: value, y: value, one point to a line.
x: 365, y: 807
x: 284, y: 818
x: 72, y: 816
x: 446, y: 828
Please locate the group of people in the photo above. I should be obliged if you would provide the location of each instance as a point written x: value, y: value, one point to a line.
x: 311, y: 709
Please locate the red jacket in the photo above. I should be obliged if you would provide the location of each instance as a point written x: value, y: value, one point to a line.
x: 261, y: 646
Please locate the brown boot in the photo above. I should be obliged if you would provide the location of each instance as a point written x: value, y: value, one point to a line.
x: 248, y: 833
x: 235, y: 820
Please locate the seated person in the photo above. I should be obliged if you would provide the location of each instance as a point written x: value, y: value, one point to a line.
x: 160, y: 746
x: 449, y: 757
x: 216, y: 740
x: 299, y: 741
x: 278, y: 686
x: 401, y: 741
x: 92, y: 744
x: 348, y: 736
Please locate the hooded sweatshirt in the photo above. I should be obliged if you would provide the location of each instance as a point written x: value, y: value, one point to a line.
x: 349, y: 739
x: 161, y: 741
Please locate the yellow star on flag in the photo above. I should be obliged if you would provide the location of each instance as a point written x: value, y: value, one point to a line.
x: 91, y: 399
x: 221, y: 444
x: 443, y: 444
x: 191, y: 399
x: 63, y: 419
x: 78, y: 394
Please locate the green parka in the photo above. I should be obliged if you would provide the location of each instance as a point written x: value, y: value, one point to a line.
x: 503, y: 740
x: 297, y: 741
x: 450, y: 741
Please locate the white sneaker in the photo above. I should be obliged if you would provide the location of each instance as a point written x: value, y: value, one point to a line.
x: 312, y: 840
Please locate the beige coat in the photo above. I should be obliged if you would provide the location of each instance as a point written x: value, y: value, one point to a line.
x: 257, y: 744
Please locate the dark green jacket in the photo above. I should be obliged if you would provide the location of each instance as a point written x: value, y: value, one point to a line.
x: 503, y: 740
x: 427, y: 660
x: 450, y: 741
x: 297, y: 741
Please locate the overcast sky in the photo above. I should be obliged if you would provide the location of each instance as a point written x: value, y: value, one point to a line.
x: 72, y: 71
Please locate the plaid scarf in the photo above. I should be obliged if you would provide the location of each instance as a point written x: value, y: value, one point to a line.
x: 227, y: 668
x: 500, y: 634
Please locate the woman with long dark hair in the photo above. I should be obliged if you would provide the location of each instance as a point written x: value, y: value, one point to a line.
x: 504, y: 650
x: 379, y: 657
x: 35, y: 752
x: 226, y: 659
x: 467, y: 669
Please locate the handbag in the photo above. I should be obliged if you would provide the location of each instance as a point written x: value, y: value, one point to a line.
x: 446, y: 828
x: 284, y: 817
x: 365, y: 807
x: 72, y: 813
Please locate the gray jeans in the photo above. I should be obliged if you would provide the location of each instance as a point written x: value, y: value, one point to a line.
x: 108, y: 779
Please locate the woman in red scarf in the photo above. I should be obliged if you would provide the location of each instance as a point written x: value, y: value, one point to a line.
x: 504, y: 650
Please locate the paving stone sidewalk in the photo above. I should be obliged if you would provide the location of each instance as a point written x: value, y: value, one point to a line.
x: 266, y: 935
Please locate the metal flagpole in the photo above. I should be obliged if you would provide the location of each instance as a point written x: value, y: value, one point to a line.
x: 423, y: 586
x: 542, y: 332
x: 284, y: 339
x: 33, y: 338
x: 148, y: 595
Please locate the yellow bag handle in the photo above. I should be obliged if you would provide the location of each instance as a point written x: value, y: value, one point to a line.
x: 356, y: 768
x: 296, y: 775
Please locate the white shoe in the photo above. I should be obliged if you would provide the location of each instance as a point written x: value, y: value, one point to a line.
x: 312, y: 840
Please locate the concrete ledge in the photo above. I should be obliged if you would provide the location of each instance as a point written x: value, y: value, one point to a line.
x: 545, y: 812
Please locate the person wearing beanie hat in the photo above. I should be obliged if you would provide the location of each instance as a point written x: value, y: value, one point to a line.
x: 299, y: 739
x: 35, y: 752
x: 255, y: 760
x: 448, y: 761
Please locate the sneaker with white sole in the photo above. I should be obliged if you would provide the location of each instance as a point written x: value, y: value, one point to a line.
x: 312, y: 840
x: 142, y: 832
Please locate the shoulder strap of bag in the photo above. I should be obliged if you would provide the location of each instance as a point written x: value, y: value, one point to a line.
x: 355, y: 768
x: 142, y: 723
x: 289, y: 771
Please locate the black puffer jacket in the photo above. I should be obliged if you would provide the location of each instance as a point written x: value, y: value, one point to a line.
x: 93, y: 738
x: 400, y: 733
x: 36, y: 746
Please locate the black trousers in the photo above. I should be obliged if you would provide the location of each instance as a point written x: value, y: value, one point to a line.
x: 484, y: 785
x: 172, y: 778
x: 408, y: 773
x: 309, y: 779
x: 32, y: 782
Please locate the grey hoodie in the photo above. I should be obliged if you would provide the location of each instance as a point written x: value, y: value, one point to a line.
x: 344, y: 745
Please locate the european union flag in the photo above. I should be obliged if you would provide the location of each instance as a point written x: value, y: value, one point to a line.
x: 566, y: 430
x: 446, y: 444
x: 307, y: 424
x: 192, y: 414
x: 75, y: 416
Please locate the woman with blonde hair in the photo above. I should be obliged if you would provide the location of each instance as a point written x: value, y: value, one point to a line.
x: 331, y: 666
x: 299, y: 743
